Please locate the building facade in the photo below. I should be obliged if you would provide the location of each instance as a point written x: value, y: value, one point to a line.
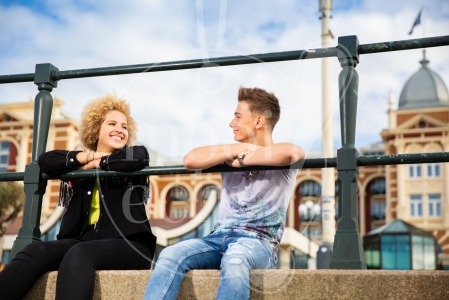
x: 419, y: 193
x: 16, y: 136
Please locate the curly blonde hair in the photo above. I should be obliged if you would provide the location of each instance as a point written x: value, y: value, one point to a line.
x: 93, y: 116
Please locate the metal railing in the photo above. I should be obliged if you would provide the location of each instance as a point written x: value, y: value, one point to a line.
x: 347, y: 249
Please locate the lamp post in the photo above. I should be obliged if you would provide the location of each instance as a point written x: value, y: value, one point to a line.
x: 308, y: 211
x: 309, y: 205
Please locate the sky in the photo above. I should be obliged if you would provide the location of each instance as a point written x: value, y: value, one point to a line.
x: 179, y: 110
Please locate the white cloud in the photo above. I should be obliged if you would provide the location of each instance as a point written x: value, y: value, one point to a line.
x: 182, y: 109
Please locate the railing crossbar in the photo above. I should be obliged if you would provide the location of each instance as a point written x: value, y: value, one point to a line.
x: 232, y: 60
x: 311, y: 163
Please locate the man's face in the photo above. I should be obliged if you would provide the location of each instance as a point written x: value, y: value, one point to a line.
x: 244, y: 123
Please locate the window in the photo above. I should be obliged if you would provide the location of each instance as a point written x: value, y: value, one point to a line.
x: 415, y: 206
x: 377, y: 186
x: 4, y: 156
x: 315, y: 231
x: 178, y: 198
x: 179, y: 212
x: 414, y: 171
x: 206, y: 191
x: 378, y: 210
x: 179, y: 193
x: 395, y: 252
x: 310, y: 188
x: 434, y: 205
x: 204, y: 194
x: 371, y: 248
x: 423, y: 249
x: 433, y: 170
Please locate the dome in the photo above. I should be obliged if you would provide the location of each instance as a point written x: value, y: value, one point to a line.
x: 424, y: 89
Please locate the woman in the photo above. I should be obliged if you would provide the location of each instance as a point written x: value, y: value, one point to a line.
x: 105, y: 226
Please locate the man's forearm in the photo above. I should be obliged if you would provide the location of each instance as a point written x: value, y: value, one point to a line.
x: 208, y: 156
x: 281, y: 154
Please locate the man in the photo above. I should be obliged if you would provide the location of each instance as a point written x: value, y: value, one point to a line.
x: 252, y: 210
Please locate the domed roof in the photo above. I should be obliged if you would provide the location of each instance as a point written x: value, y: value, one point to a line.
x: 424, y: 89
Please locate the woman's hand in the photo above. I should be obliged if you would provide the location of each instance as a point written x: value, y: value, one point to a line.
x: 86, y: 158
x: 93, y: 164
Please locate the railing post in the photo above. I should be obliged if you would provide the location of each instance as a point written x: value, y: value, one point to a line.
x: 34, y: 185
x: 348, y: 250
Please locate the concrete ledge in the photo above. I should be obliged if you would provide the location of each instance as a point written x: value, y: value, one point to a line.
x: 274, y: 284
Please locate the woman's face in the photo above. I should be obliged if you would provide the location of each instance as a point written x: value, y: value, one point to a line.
x: 113, y: 132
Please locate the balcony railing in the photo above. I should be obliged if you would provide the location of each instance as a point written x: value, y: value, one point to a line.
x: 348, y: 251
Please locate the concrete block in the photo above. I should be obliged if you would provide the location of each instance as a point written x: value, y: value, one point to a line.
x: 273, y: 284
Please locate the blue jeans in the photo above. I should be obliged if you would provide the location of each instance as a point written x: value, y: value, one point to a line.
x: 235, y: 253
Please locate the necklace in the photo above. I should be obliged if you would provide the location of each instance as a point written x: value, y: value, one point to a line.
x: 250, y: 174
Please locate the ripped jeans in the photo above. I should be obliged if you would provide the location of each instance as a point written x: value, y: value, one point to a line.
x: 235, y: 253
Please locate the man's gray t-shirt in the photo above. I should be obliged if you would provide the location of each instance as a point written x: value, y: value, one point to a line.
x: 256, y: 204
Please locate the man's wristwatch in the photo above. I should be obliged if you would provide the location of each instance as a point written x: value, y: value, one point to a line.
x: 240, y: 158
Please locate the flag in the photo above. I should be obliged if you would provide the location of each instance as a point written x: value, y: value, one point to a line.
x: 417, y: 21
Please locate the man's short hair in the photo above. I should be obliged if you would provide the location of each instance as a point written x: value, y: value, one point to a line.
x: 261, y: 102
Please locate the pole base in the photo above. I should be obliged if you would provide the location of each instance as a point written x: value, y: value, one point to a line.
x: 348, y: 251
x: 20, y: 243
x: 348, y: 265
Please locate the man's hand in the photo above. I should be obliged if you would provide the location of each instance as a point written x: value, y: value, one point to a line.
x: 233, y: 163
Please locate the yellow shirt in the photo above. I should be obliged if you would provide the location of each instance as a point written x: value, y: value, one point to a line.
x: 95, y: 205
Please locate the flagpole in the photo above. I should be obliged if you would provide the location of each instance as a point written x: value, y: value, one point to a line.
x: 423, y: 22
x: 423, y: 29
x: 327, y: 174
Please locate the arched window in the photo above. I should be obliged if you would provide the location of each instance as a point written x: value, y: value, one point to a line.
x: 377, y: 193
x: 377, y: 186
x: 179, y: 193
x: 310, y: 188
x: 207, y: 189
x: 177, y: 200
x: 204, y: 193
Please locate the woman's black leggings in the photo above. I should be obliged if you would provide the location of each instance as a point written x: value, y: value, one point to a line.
x: 76, y: 262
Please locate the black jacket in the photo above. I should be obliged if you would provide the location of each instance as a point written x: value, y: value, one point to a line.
x: 122, y: 210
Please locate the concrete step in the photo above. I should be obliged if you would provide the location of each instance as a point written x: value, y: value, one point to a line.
x: 274, y: 284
